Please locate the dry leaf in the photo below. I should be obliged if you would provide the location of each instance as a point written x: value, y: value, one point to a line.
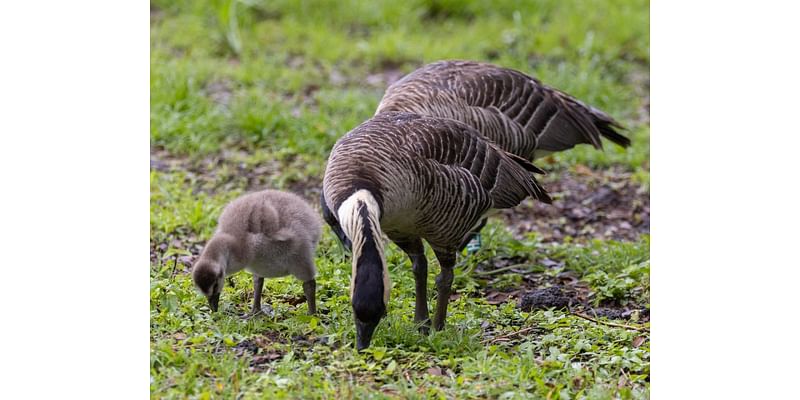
x: 495, y: 298
x: 262, y: 359
x: 581, y: 169
x: 637, y: 341
x: 435, y: 371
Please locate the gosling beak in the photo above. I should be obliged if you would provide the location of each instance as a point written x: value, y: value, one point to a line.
x: 213, y: 302
x: 364, y: 331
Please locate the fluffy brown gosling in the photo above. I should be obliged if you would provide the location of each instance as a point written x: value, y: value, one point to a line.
x: 268, y: 233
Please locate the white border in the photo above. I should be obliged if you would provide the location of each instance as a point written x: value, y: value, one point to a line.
x: 74, y: 95
x: 725, y: 211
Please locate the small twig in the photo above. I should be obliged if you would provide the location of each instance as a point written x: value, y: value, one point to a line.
x: 496, y: 271
x: 174, y: 267
x: 597, y: 321
x: 509, y: 335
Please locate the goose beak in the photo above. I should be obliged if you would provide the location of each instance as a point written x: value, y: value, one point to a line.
x: 364, y: 331
x: 213, y: 302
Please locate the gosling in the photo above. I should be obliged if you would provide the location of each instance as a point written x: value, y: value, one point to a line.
x: 268, y: 233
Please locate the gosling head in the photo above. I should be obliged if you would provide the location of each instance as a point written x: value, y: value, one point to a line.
x: 209, y: 277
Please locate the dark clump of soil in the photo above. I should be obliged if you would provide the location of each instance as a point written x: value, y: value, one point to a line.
x: 551, y: 289
x: 552, y: 297
x: 627, y: 313
x: 261, y: 349
x: 602, y: 204
x: 569, y: 298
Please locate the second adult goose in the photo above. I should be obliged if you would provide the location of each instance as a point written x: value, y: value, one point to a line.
x: 514, y: 110
x: 414, y: 178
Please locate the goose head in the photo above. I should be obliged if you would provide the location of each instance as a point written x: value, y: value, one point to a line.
x: 369, y: 285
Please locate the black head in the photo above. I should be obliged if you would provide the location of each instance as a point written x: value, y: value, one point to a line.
x: 368, y: 301
x: 209, y: 278
x: 368, y: 288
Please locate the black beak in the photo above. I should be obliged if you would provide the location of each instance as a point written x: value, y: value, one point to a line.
x: 213, y: 302
x: 364, y: 331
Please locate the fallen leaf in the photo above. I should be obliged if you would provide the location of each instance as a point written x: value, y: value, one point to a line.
x: 581, y: 169
x: 637, y: 341
x: 495, y: 298
x: 179, y: 336
x: 262, y: 359
x: 548, y: 263
x: 435, y: 371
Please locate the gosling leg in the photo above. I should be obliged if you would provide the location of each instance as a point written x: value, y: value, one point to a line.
x: 258, y: 286
x: 310, y: 289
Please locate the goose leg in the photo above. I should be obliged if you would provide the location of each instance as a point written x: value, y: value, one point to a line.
x: 444, y: 283
x: 419, y: 264
x: 310, y: 289
x: 258, y: 286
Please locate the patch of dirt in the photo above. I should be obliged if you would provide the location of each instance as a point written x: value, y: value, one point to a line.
x: 261, y: 349
x: 565, y: 298
x: 228, y: 171
x: 182, y: 262
x: 379, y: 79
x: 587, y: 204
x: 155, y: 13
x: 220, y: 92
x: 549, y: 288
x: 384, y: 78
x: 270, y: 346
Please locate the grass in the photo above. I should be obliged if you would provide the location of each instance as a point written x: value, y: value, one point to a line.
x: 253, y: 94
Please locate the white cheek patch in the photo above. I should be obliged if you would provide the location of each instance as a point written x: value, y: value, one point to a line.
x: 353, y: 226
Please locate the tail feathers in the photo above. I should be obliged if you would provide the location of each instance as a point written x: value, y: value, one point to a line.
x: 608, y: 131
x: 532, y: 186
x: 539, y: 193
x: 525, y: 183
x: 583, y: 124
x: 526, y: 164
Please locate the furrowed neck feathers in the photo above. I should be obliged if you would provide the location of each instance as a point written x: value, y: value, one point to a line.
x: 359, y: 216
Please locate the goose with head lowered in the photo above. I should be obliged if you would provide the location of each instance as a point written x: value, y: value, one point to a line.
x: 415, y: 178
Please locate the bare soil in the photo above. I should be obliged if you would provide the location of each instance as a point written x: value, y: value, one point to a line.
x: 587, y: 204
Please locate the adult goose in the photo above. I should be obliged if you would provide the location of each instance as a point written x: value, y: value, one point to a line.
x: 414, y: 177
x: 514, y: 110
